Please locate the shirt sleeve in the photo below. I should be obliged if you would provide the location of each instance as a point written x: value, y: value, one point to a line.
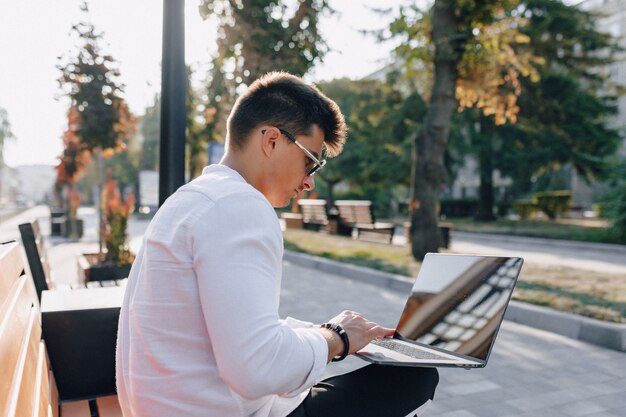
x: 237, y: 256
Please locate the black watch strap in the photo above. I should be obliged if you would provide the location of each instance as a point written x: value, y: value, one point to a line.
x: 344, y: 338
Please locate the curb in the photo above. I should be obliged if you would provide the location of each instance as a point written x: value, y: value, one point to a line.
x: 597, y: 332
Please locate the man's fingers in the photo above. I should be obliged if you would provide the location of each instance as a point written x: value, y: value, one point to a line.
x: 379, y: 332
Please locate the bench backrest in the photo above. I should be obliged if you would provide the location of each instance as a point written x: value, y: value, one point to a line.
x: 26, y: 385
x: 313, y: 211
x: 352, y: 212
x: 36, y: 254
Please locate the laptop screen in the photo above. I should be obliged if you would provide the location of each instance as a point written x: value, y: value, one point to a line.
x: 458, y: 302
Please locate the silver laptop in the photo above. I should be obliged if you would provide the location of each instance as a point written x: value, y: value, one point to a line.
x: 453, y: 313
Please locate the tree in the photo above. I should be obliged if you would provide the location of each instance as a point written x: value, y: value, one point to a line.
x: 453, y: 32
x: 101, y: 120
x: 256, y: 37
x: 150, y: 126
x: 90, y: 80
x: 196, y: 134
x: 380, y: 118
x: 259, y: 36
x: 566, y: 113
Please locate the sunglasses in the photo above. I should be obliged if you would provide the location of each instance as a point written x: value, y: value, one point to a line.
x: 317, y: 164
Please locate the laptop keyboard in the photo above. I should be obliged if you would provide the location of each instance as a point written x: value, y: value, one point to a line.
x: 408, y: 350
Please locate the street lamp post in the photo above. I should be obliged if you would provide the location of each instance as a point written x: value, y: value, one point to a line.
x: 173, y: 86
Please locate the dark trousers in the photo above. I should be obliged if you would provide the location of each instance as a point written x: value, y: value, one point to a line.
x: 375, y: 390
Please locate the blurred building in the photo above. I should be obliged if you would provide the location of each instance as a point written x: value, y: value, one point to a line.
x: 35, y: 183
x: 9, y: 185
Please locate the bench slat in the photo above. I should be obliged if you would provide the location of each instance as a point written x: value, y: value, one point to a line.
x: 54, y: 392
x: 14, y: 318
x: 313, y: 212
x: 42, y: 396
x: 11, y: 266
x: 359, y: 214
x: 109, y: 406
x: 21, y: 398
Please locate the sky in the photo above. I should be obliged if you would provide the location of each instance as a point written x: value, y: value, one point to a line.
x: 34, y: 34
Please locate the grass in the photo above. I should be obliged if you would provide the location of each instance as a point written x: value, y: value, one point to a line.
x: 589, y: 293
x: 586, y: 230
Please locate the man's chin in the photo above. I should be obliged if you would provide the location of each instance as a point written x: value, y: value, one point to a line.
x: 281, y: 204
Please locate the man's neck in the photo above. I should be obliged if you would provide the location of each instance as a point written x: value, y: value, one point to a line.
x: 239, y: 163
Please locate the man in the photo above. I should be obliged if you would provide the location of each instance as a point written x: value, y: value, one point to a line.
x: 199, y: 331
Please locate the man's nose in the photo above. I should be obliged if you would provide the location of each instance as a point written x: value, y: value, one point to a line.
x: 308, y: 183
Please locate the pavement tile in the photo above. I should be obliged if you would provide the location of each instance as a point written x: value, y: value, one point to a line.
x: 549, y: 412
x: 492, y: 410
x: 608, y: 387
x: 612, y: 401
x: 546, y: 400
x: 456, y: 413
x: 583, y: 408
x: 465, y: 389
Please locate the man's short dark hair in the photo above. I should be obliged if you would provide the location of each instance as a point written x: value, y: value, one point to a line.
x: 286, y: 101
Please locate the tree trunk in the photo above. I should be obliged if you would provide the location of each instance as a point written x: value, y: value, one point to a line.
x: 485, y: 165
x: 428, y: 173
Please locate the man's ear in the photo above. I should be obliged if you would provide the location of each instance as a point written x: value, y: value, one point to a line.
x: 268, y: 143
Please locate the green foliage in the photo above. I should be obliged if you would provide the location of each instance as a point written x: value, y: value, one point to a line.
x: 615, y: 205
x: 377, y: 156
x: 90, y: 79
x: 619, y: 213
x: 565, y: 114
x: 553, y: 203
x: 150, y: 128
x: 196, y: 135
x: 460, y: 207
x: 256, y: 37
x: 525, y: 209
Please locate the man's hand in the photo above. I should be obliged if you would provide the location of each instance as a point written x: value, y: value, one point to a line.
x: 360, y: 333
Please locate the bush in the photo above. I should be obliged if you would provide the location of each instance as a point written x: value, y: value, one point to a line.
x: 619, y: 213
x: 465, y: 207
x: 553, y: 203
x: 525, y: 208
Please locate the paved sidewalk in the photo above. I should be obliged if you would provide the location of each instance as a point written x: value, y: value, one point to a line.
x: 531, y: 372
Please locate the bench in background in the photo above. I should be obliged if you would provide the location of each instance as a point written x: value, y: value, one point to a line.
x: 27, y: 383
x: 314, y: 214
x: 359, y: 215
x: 37, y: 256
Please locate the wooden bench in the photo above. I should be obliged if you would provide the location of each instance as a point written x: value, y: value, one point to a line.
x: 37, y: 256
x: 27, y: 383
x: 359, y: 215
x: 314, y: 214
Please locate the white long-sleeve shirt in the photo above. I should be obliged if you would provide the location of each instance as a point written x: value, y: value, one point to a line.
x: 199, y: 332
